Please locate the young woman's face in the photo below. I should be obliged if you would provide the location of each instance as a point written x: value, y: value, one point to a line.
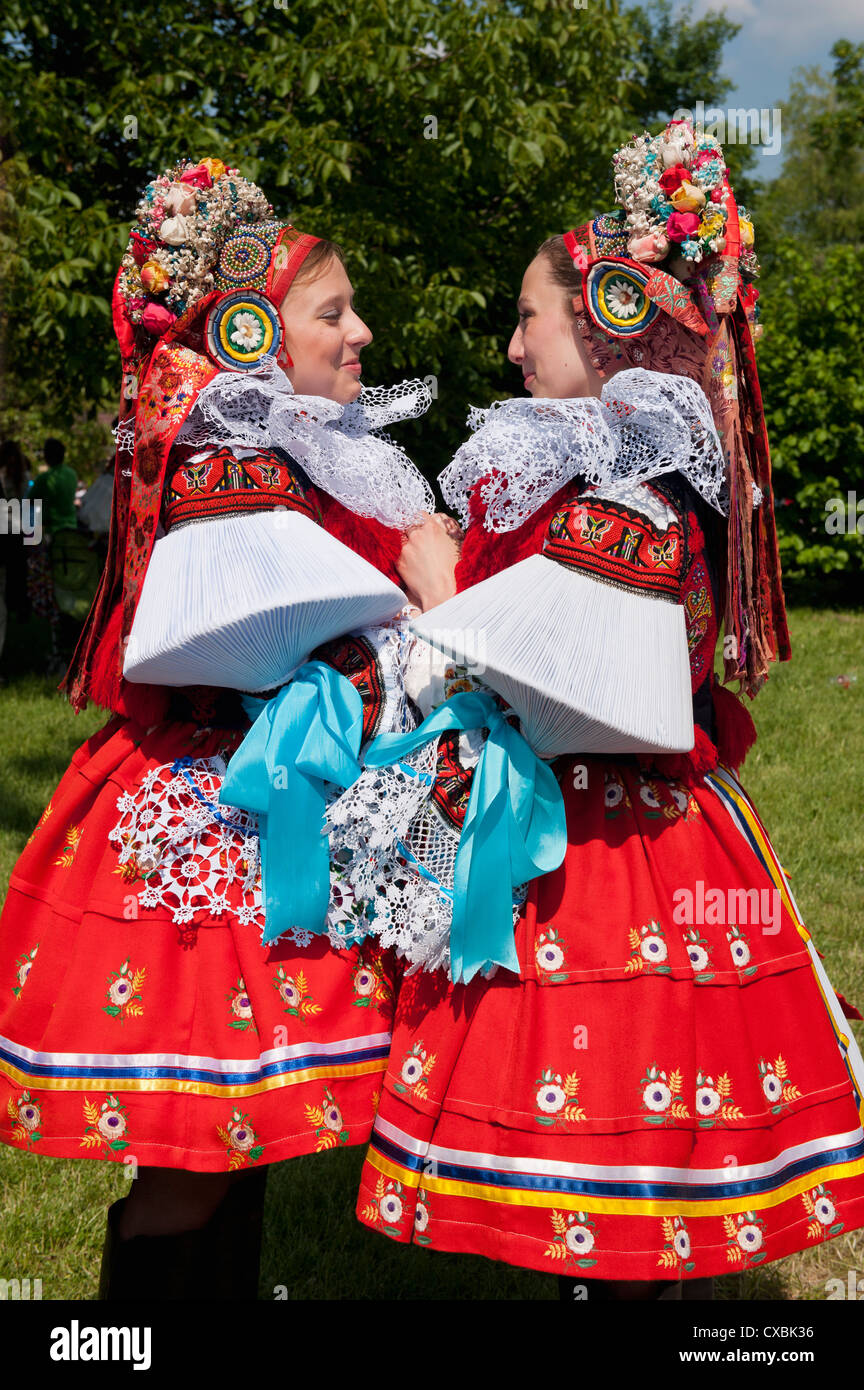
x: 547, y: 344
x: 324, y: 336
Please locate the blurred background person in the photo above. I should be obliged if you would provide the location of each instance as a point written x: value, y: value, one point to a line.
x: 55, y: 489
x: 14, y: 487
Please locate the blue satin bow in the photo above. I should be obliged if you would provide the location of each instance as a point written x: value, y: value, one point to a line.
x: 515, y: 828
x: 307, y: 734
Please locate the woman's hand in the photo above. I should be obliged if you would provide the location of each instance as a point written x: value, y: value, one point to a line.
x: 428, y: 560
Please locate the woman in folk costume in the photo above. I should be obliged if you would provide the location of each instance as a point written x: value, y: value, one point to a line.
x: 257, y: 516
x: 656, y: 1083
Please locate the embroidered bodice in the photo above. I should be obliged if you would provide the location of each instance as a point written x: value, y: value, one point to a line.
x: 216, y: 482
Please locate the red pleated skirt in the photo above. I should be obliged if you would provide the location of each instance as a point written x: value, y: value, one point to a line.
x: 129, y: 1035
x: 670, y: 1090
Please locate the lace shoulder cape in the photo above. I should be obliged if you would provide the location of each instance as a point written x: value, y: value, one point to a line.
x: 343, y: 448
x: 645, y: 424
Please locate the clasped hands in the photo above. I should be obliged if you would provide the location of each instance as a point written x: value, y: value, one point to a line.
x: 427, y: 562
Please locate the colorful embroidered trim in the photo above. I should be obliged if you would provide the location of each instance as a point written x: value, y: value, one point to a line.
x: 632, y: 1191
x: 224, y: 485
x: 618, y: 546
x: 358, y: 660
x: 744, y: 817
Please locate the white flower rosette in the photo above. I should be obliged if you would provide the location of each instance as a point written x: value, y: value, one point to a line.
x: 708, y: 1099
x: 412, y: 1070
x: 289, y: 993
x: 698, y: 956
x: 120, y: 991
x: 653, y: 948
x: 29, y: 1115
x: 579, y: 1240
x: 333, y: 1117
x: 551, y: 1096
x: 750, y: 1237
x: 364, y: 981
x: 240, y: 1005
x: 391, y: 1208
x: 111, y: 1124
x: 549, y: 956
x: 657, y: 1095
x: 824, y: 1209
x: 241, y: 1136
x: 681, y: 1243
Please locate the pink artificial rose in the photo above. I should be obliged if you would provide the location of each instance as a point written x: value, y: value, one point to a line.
x: 157, y: 319
x: 648, y: 249
x: 199, y: 177
x: 681, y: 225
x: 179, y: 200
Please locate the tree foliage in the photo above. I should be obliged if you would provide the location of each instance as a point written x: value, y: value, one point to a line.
x: 438, y: 140
x: 810, y: 225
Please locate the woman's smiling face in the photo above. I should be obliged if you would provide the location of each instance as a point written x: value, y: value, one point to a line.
x: 323, y: 335
x: 547, y: 344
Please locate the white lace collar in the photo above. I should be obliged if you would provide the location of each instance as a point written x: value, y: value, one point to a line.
x: 341, y: 447
x: 645, y: 424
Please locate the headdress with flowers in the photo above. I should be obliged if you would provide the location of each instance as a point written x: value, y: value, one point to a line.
x: 196, y: 305
x: 161, y: 292
x: 674, y: 191
x: 667, y: 282
x: 184, y: 217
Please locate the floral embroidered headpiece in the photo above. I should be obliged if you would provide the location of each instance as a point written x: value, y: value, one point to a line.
x: 204, y: 229
x: 256, y: 267
x: 184, y: 217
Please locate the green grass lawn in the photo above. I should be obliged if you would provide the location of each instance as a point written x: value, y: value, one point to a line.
x: 804, y: 776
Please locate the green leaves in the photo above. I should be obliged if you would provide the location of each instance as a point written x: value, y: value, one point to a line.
x: 439, y: 142
x: 810, y: 227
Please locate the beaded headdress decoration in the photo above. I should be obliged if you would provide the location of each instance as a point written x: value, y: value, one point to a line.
x: 667, y: 284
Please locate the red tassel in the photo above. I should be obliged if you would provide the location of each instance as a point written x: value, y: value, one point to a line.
x: 690, y: 767
x: 147, y: 704
x: 849, y: 1009
x: 736, y: 732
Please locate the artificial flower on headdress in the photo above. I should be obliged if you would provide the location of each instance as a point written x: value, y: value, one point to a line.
x: 184, y: 217
x: 154, y: 277
x: 668, y: 186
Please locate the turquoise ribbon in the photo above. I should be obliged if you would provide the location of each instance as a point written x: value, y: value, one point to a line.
x: 515, y: 828
x: 307, y: 734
